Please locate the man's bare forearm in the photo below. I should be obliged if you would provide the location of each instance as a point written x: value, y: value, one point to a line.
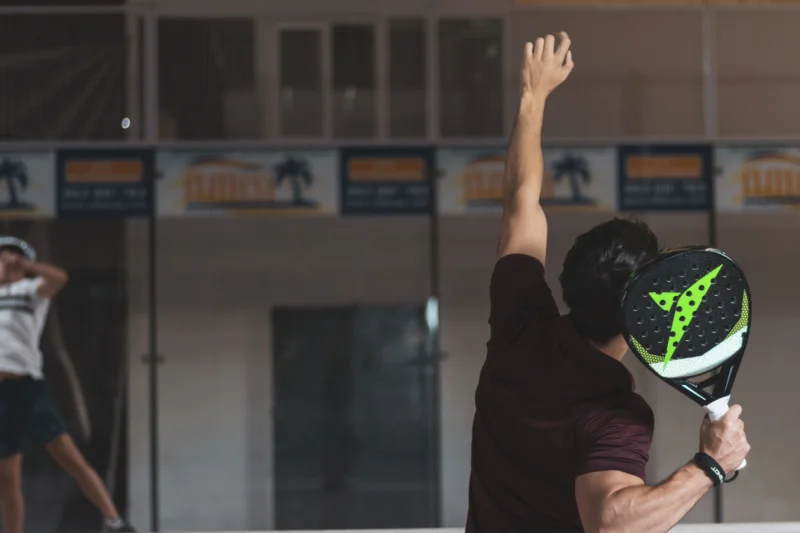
x: 524, y: 162
x: 48, y: 272
x: 646, y: 509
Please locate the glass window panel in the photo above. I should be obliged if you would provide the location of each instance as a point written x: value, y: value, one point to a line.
x: 62, y: 77
x: 407, y: 75
x: 632, y: 76
x: 354, y: 105
x: 302, y: 104
x: 471, y: 82
x: 206, y: 80
x: 758, y: 77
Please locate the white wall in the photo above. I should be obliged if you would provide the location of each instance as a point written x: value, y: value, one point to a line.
x: 219, y: 278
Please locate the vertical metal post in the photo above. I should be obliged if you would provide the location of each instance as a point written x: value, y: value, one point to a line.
x: 710, y: 88
x: 151, y: 115
x: 710, y: 127
x: 433, y: 316
x: 150, y: 75
x: 432, y: 78
x: 133, y: 82
x: 153, y: 361
x: 382, y: 82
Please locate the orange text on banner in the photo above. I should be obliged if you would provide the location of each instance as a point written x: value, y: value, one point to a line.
x: 664, y: 166
x: 220, y: 187
x: 770, y: 182
x: 100, y: 171
x: 386, y: 169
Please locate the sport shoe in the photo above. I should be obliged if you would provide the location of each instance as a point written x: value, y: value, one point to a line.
x: 119, y: 526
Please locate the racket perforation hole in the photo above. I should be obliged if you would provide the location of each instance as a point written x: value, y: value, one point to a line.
x: 656, y: 329
x: 655, y: 281
x: 694, y: 266
x: 692, y: 303
x: 640, y: 321
x: 702, y: 287
x: 663, y: 302
x: 672, y: 334
x: 683, y: 273
x: 682, y: 318
x: 689, y: 294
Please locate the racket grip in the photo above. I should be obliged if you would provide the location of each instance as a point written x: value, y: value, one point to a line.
x: 717, y: 410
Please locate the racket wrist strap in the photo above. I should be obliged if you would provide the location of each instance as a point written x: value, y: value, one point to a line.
x: 710, y: 467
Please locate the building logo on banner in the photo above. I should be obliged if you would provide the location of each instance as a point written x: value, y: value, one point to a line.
x: 765, y: 178
x: 654, y: 178
x: 114, y: 182
x: 296, y: 183
x: 472, y: 180
x: 387, y: 180
x: 27, y: 184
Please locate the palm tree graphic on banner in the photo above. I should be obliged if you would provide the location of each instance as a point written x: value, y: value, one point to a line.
x: 576, y: 170
x: 14, y: 174
x: 298, y: 174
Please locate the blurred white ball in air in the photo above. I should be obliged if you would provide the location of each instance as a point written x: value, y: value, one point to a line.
x: 126, y: 123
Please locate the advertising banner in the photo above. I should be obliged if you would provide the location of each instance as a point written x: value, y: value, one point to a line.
x: 471, y: 180
x: 665, y: 178
x: 384, y: 181
x: 116, y: 183
x: 247, y: 183
x: 766, y: 177
x: 27, y: 184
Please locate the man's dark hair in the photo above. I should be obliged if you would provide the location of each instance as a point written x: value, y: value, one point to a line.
x: 13, y: 249
x: 595, y: 272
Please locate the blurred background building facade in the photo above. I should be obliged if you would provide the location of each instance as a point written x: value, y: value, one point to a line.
x: 319, y: 371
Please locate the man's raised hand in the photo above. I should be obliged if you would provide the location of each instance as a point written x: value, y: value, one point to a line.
x: 545, y: 67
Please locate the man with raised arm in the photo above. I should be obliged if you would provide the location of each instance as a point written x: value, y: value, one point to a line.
x: 560, y: 439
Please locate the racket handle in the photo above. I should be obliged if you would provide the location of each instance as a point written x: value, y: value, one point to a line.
x: 717, y: 410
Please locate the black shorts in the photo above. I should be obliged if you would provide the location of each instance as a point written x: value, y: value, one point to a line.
x: 27, y: 411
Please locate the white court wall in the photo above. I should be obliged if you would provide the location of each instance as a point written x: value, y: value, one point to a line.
x: 218, y: 280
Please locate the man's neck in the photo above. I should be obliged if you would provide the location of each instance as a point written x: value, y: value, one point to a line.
x: 616, y: 348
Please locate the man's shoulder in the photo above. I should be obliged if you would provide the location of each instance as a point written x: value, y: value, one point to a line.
x: 623, y: 409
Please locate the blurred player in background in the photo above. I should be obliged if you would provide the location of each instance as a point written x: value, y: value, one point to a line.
x: 26, y: 408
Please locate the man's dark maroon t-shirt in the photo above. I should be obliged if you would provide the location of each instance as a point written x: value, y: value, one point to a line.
x: 549, y: 408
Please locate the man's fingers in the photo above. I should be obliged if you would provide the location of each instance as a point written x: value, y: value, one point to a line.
x: 528, y: 50
x: 568, y: 63
x: 549, y: 46
x: 538, y: 49
x: 563, y: 45
x: 733, y: 413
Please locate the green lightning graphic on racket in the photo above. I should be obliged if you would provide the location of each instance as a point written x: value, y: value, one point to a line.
x: 688, y: 303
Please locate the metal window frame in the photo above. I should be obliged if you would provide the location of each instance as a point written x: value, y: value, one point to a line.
x: 147, y: 100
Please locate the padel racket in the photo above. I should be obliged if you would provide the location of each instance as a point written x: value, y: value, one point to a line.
x: 686, y: 315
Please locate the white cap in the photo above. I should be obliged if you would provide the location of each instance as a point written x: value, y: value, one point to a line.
x: 12, y: 242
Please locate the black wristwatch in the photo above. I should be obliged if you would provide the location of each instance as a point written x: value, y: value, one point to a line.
x: 712, y: 469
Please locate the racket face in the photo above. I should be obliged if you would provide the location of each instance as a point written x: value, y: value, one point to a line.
x: 686, y: 316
